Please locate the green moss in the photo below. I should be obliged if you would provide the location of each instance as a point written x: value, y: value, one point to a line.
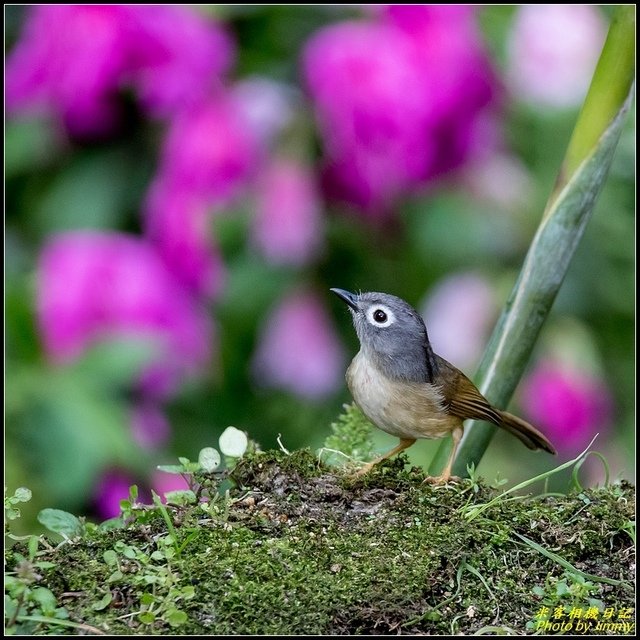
x: 301, y: 549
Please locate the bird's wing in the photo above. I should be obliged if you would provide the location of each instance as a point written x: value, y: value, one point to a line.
x: 461, y: 398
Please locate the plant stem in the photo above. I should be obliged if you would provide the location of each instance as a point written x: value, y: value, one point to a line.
x: 568, y: 210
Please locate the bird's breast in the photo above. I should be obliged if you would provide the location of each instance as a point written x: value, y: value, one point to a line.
x: 403, y: 409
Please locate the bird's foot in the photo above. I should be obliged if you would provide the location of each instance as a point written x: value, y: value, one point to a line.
x: 362, y: 471
x: 444, y: 479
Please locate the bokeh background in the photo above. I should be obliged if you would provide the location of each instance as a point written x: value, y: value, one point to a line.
x: 185, y: 184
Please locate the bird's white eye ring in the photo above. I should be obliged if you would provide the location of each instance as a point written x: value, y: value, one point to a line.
x: 380, y: 315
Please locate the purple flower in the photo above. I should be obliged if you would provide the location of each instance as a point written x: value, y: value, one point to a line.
x: 178, y: 224
x: 73, y: 60
x: 163, y: 482
x: 501, y: 180
x: 397, y: 100
x: 149, y: 424
x: 459, y: 313
x: 267, y: 106
x: 94, y: 286
x: 112, y: 487
x: 69, y: 63
x: 209, y: 151
x: 208, y: 156
x: 553, y: 51
x: 299, y: 350
x: 569, y: 405
x: 287, y: 225
x: 177, y: 57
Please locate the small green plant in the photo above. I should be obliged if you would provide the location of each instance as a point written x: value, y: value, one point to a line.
x: 351, y: 437
x: 149, y: 571
x: 561, y: 597
x: 27, y: 606
x: 11, y: 510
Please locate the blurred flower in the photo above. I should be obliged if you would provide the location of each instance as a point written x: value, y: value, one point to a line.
x: 177, y: 57
x: 267, y: 106
x: 287, y: 225
x: 163, y: 482
x: 299, y: 350
x: 178, y: 224
x: 112, y: 487
x: 209, y: 150
x: 72, y: 61
x: 553, y: 51
x: 95, y: 285
x: 149, y: 424
x: 209, y: 154
x: 396, y: 100
x: 501, y: 180
x: 459, y: 313
x: 569, y: 405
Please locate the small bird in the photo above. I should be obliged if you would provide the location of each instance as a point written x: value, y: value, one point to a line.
x: 409, y: 391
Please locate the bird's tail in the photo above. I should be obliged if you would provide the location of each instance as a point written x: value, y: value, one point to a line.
x: 527, y: 434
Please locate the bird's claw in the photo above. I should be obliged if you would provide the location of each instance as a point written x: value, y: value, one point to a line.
x: 442, y: 480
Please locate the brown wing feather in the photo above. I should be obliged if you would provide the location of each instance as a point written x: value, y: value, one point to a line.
x: 462, y: 399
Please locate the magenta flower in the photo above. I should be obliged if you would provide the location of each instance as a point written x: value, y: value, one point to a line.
x: 287, y: 224
x: 112, y: 487
x: 553, y: 51
x: 267, y: 106
x: 149, y: 424
x: 299, y: 350
x: 163, y: 482
x: 209, y: 151
x: 397, y: 100
x: 177, y: 57
x: 208, y: 156
x: 73, y: 60
x: 570, y: 406
x: 95, y: 285
x: 178, y: 225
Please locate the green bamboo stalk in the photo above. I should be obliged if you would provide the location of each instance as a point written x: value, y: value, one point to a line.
x: 568, y: 210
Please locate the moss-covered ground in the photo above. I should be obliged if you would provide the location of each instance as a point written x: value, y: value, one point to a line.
x: 298, y: 548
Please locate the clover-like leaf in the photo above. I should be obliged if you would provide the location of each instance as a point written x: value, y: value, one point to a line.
x: 61, y: 522
x: 209, y: 459
x: 233, y: 442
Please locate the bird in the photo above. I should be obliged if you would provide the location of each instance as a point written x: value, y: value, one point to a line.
x: 404, y: 388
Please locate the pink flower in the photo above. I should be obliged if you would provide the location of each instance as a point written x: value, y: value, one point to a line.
x: 299, y: 350
x: 553, y: 50
x: 287, y: 225
x: 208, y: 157
x: 149, y: 424
x: 94, y: 285
x: 178, y: 224
x: 112, y: 487
x: 569, y: 405
x: 69, y: 63
x: 501, y: 180
x: 177, y: 57
x: 209, y: 151
x: 459, y: 314
x: 396, y: 100
x: 163, y: 482
x: 73, y: 60
x: 267, y: 106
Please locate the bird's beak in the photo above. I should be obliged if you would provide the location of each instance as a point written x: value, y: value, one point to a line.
x: 350, y: 298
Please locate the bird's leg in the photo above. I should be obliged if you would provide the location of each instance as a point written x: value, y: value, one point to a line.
x: 404, y: 444
x: 445, y: 476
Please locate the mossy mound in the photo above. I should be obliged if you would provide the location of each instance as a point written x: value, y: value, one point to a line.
x: 299, y: 548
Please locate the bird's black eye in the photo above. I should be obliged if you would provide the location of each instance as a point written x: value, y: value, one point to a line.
x: 379, y: 316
